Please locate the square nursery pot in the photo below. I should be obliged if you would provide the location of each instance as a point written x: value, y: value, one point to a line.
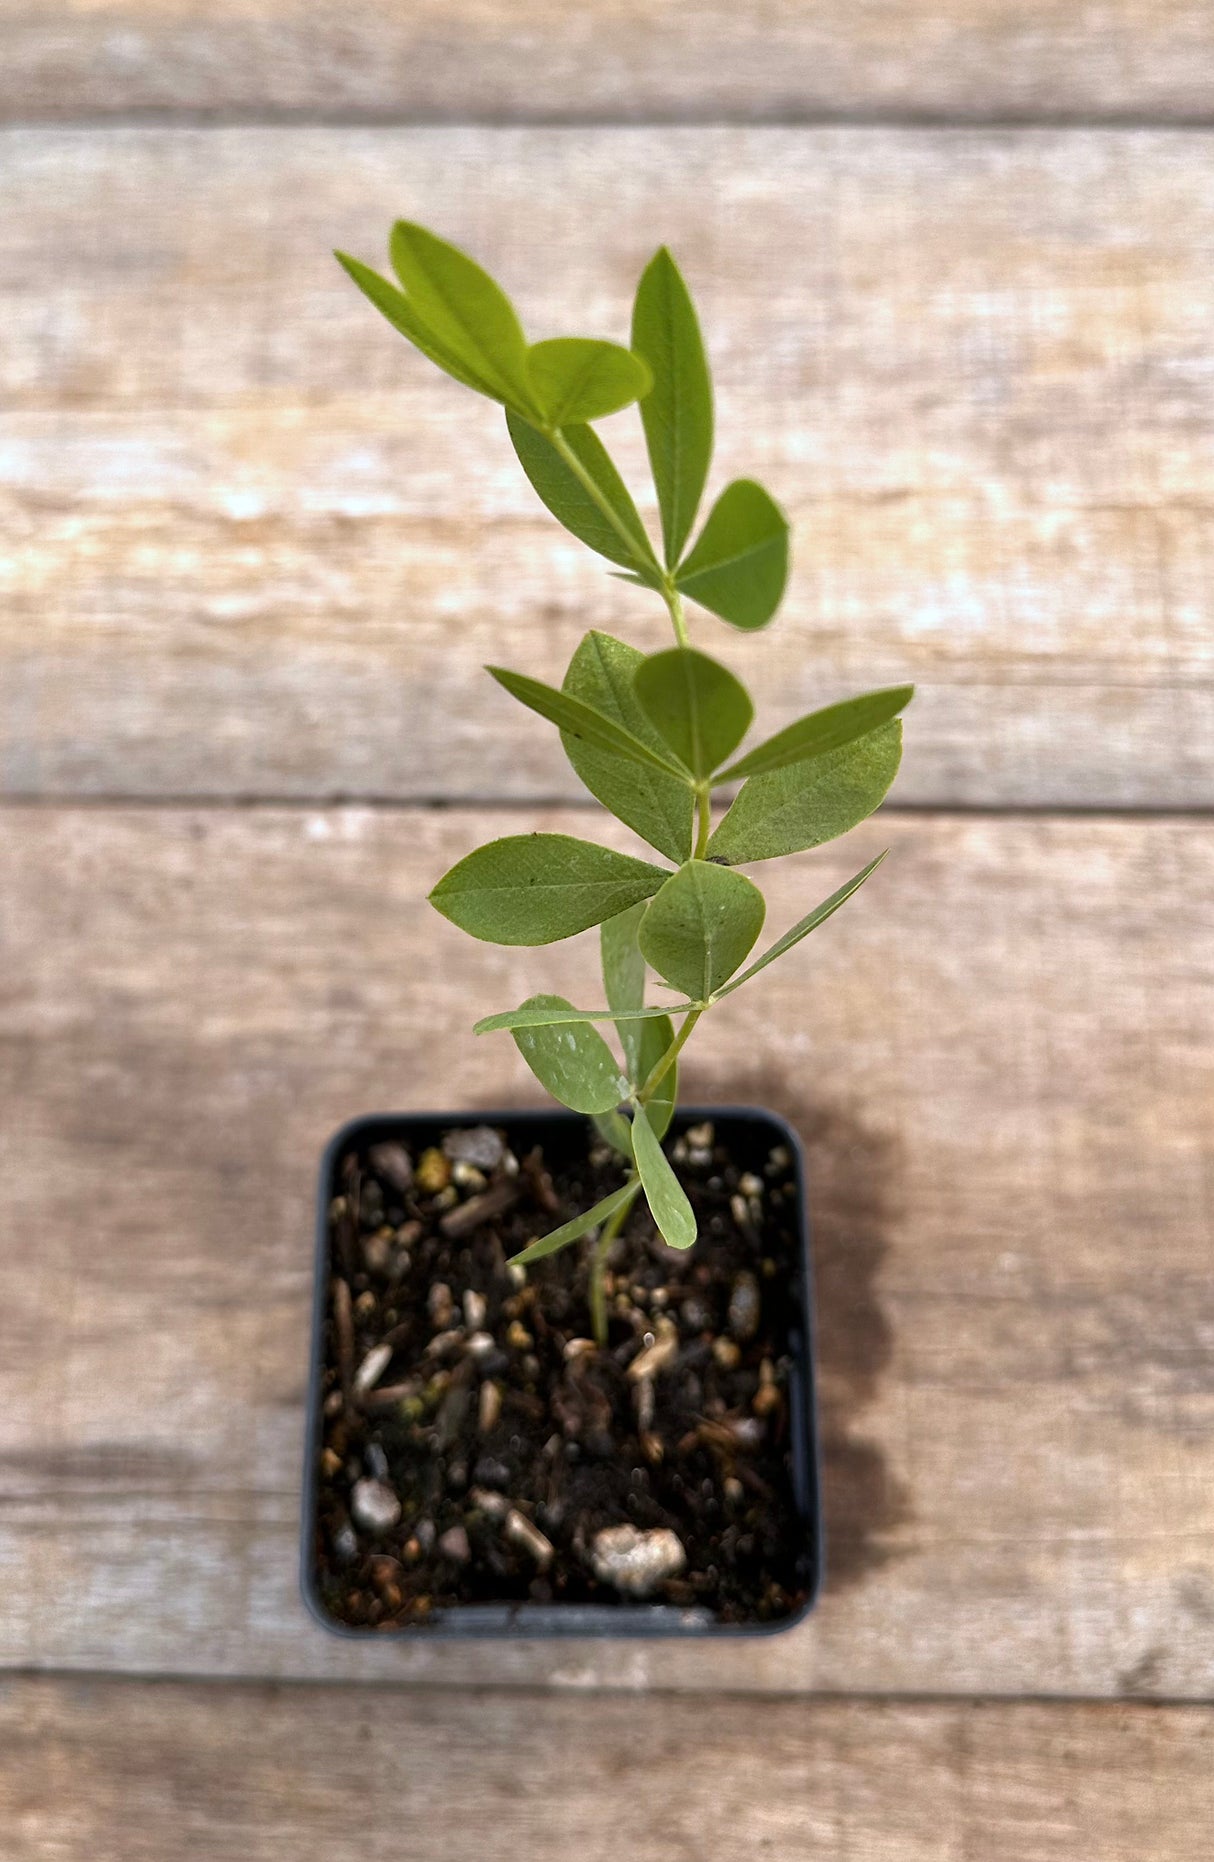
x: 467, y: 1445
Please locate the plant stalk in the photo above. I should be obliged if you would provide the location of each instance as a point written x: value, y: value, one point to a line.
x: 703, y: 820
x: 635, y: 546
x: 668, y: 1058
x: 598, y: 1268
x: 674, y: 601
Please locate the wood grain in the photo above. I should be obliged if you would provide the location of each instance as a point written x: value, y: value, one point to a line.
x: 134, y: 1774
x: 1000, y: 1056
x: 609, y: 58
x: 253, y: 546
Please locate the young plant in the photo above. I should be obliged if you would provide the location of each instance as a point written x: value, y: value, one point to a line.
x: 650, y: 735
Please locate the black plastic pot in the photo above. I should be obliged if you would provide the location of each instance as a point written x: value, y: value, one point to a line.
x: 749, y: 1132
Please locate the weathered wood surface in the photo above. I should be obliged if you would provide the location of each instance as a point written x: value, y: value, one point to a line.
x: 252, y: 545
x: 135, y: 1774
x: 1001, y: 1057
x: 618, y: 59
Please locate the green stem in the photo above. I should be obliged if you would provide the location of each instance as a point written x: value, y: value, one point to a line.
x: 598, y: 1267
x: 668, y: 1058
x: 674, y: 601
x: 703, y: 820
x: 637, y: 547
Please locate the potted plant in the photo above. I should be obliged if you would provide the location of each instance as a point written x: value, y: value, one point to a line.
x: 561, y: 1367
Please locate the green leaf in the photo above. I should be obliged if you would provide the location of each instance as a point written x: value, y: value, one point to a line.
x: 696, y: 705
x: 809, y: 803
x: 466, y: 310
x: 828, y: 729
x: 677, y: 412
x: 658, y: 807
x: 578, y: 378
x: 656, y: 1037
x: 563, y: 1013
x: 401, y: 315
x: 536, y: 888
x: 671, y: 1210
x: 580, y: 720
x: 571, y: 504
x: 701, y: 926
x: 624, y: 978
x: 579, y: 1226
x: 739, y: 564
x: 615, y: 1130
x: 805, y: 925
x: 574, y: 1063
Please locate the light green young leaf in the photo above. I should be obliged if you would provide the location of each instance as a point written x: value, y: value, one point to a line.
x: 580, y: 1225
x: 536, y: 888
x: 558, y: 487
x: 677, y: 412
x: 624, y: 977
x: 395, y: 306
x: 578, y: 378
x: 828, y: 729
x: 805, y: 925
x: 656, y: 1038
x: 466, y: 310
x: 671, y: 1210
x: 695, y: 704
x: 658, y: 807
x: 557, y: 1013
x: 809, y: 803
x: 701, y: 926
x: 613, y: 1128
x: 739, y: 563
x: 580, y: 720
x: 574, y: 1062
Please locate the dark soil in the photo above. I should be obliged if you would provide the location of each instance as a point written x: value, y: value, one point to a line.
x: 473, y: 1442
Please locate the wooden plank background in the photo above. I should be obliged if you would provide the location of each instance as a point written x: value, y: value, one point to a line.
x: 955, y: 260
x: 1003, y: 1070
x: 123, y: 1774
x: 974, y: 366
x: 614, y: 59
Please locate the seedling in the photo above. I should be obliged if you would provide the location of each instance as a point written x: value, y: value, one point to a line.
x: 652, y: 736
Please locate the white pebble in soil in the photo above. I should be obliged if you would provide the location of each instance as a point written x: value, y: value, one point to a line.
x: 374, y: 1505
x: 636, y: 1562
x: 476, y: 1308
x: 478, y: 1145
x: 454, y: 1545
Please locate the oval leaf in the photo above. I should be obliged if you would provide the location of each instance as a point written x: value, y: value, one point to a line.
x: 624, y: 977
x: 579, y: 719
x: 552, y: 1017
x: 828, y: 729
x: 466, y: 310
x: 579, y: 1226
x: 701, y: 926
x: 395, y: 306
x: 613, y: 1128
x: 658, y: 807
x: 573, y: 1062
x: 671, y: 1210
x: 739, y: 565
x: 696, y: 705
x: 809, y: 803
x: 571, y: 504
x: 677, y: 412
x: 578, y: 378
x: 536, y: 888
x: 805, y: 925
